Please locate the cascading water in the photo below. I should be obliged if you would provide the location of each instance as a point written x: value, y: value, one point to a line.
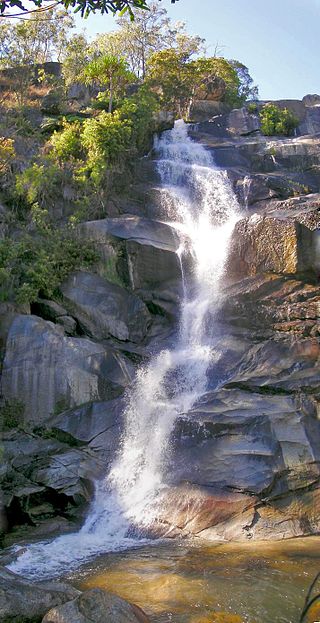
x: 204, y: 209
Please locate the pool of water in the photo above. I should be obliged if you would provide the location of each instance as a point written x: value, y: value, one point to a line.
x: 183, y: 582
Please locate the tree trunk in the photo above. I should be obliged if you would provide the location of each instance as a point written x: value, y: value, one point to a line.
x: 110, y: 94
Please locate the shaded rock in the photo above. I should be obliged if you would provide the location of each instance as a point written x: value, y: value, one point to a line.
x: 103, y: 308
x: 260, y: 244
x: 25, y: 602
x: 141, y: 252
x: 97, y: 424
x: 268, y: 303
x: 51, y: 310
x: 47, y: 371
x: 241, y: 123
x: 99, y: 606
x: 201, y: 110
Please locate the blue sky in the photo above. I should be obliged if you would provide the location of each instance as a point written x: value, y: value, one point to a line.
x: 278, y: 40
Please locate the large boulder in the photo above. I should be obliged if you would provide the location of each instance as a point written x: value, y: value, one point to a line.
x: 47, y: 372
x: 141, y: 253
x: 240, y: 122
x: 52, y: 472
x: 24, y: 602
x: 104, y: 309
x: 96, y: 606
x: 261, y: 244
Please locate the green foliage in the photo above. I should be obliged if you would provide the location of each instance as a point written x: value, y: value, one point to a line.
x: 34, y: 266
x: 66, y: 144
x: 7, y: 154
x: 11, y: 413
x: 207, y: 69
x: 252, y: 108
x: 106, y: 139
x: 178, y: 79
x: 85, y: 7
x: 172, y: 77
x: 110, y: 71
x: 277, y: 121
x: 139, y: 110
x: 38, y: 183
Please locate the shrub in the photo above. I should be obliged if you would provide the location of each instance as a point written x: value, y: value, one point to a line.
x: 35, y: 266
x: 7, y: 154
x: 11, y: 413
x: 275, y: 120
x: 107, y: 140
x: 67, y: 144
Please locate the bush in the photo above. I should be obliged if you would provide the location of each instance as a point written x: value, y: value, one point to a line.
x: 11, y: 414
x: 107, y: 140
x: 67, y: 144
x: 35, y: 266
x: 275, y: 120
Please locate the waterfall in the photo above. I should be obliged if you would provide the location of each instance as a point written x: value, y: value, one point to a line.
x: 204, y: 210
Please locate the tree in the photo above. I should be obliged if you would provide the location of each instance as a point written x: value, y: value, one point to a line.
x: 28, y: 43
x: 247, y: 90
x: 110, y: 72
x: 75, y: 56
x: 35, y: 41
x: 179, y: 78
x: 207, y: 69
x: 169, y: 74
x: 85, y: 7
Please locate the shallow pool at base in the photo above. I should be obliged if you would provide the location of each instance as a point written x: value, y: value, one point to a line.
x: 183, y: 582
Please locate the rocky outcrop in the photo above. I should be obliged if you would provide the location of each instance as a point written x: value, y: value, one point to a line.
x: 261, y: 244
x: 46, y: 371
x: 98, y: 606
x: 26, y: 602
x: 104, y: 309
x: 50, y: 472
x: 142, y: 254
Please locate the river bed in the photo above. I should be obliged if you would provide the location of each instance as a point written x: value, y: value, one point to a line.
x: 183, y: 582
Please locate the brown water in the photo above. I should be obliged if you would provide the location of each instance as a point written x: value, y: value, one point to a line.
x: 264, y: 582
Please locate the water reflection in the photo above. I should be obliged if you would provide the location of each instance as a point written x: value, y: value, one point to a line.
x: 262, y: 582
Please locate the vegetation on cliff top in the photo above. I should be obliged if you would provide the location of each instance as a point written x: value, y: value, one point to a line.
x: 66, y: 168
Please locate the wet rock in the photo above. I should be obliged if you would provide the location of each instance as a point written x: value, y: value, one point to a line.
x: 48, y: 372
x: 104, y: 309
x: 99, y: 606
x: 261, y: 244
x: 25, y: 602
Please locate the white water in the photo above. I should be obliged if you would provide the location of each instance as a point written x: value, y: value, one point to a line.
x: 204, y: 210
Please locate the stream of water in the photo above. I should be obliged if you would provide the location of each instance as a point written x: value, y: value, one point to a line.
x: 204, y: 210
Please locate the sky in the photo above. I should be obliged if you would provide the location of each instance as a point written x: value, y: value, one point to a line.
x: 278, y: 40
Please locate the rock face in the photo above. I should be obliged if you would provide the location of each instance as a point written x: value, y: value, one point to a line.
x: 46, y: 371
x: 142, y: 254
x: 103, y: 308
x: 27, y: 603
x: 262, y: 244
x: 98, y: 606
x: 245, y: 461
